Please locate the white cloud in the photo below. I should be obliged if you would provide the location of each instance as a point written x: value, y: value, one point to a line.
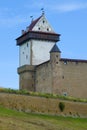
x: 67, y: 7
x: 10, y: 17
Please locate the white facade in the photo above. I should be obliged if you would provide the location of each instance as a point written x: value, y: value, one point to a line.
x: 40, y: 51
x: 34, y: 52
x: 24, y: 54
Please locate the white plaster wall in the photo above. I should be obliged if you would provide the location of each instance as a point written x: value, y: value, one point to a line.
x: 40, y: 51
x: 24, y: 54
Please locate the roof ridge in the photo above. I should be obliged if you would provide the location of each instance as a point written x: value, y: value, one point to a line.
x: 33, y: 23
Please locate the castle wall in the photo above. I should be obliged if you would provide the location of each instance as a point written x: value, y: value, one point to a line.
x: 71, y: 79
x: 43, y: 79
x: 27, y: 77
x: 62, y: 77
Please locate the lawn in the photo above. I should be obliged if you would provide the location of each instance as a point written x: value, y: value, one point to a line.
x: 13, y: 120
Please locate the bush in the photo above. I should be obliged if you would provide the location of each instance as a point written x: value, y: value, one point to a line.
x: 61, y: 106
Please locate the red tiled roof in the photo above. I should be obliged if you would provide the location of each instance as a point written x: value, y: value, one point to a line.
x: 33, y: 23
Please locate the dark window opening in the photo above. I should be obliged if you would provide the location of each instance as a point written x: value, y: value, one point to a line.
x: 65, y: 62
x: 38, y: 28
x: 43, y: 21
x: 47, y: 29
x: 27, y: 44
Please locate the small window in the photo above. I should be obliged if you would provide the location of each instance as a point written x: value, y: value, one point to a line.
x: 43, y: 21
x: 38, y: 28
x: 65, y: 62
x: 47, y: 29
x: 57, y: 56
x: 27, y: 44
x: 56, y: 62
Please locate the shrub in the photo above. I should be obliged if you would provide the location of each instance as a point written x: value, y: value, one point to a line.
x: 61, y: 106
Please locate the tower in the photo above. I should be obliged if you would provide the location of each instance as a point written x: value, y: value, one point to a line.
x: 34, y: 46
x: 55, y: 56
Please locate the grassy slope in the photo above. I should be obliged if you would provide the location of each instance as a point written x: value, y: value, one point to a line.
x: 13, y: 120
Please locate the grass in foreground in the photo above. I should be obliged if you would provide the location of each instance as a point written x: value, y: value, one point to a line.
x: 13, y: 120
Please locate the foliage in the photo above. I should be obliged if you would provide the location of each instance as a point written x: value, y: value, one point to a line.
x: 61, y: 106
x: 46, y: 95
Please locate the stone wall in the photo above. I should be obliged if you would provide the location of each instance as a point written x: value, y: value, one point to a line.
x: 43, y: 82
x: 62, y: 77
x: 27, y: 77
x: 58, y: 76
x: 43, y: 105
x: 72, y: 78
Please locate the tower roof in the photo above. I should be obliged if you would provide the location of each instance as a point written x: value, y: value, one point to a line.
x: 55, y: 49
x: 40, y: 24
x: 33, y: 23
x: 39, y: 29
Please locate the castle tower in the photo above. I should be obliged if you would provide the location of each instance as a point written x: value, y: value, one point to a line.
x: 55, y: 56
x: 34, y: 46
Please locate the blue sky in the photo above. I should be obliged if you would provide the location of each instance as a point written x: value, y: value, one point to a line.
x: 67, y: 17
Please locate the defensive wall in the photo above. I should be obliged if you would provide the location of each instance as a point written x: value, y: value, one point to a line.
x: 43, y: 105
x: 59, y: 76
x: 43, y: 78
x: 62, y: 76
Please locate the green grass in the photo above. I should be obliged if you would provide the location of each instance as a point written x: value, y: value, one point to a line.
x: 46, y: 95
x: 13, y: 120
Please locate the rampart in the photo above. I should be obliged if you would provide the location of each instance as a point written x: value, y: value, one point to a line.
x: 43, y: 105
x: 62, y: 76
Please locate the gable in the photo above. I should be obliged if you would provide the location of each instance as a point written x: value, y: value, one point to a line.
x: 42, y: 25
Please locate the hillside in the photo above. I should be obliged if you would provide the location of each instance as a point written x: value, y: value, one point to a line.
x: 11, y: 120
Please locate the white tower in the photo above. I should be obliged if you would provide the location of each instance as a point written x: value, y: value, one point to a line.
x: 34, y: 46
x: 36, y: 42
